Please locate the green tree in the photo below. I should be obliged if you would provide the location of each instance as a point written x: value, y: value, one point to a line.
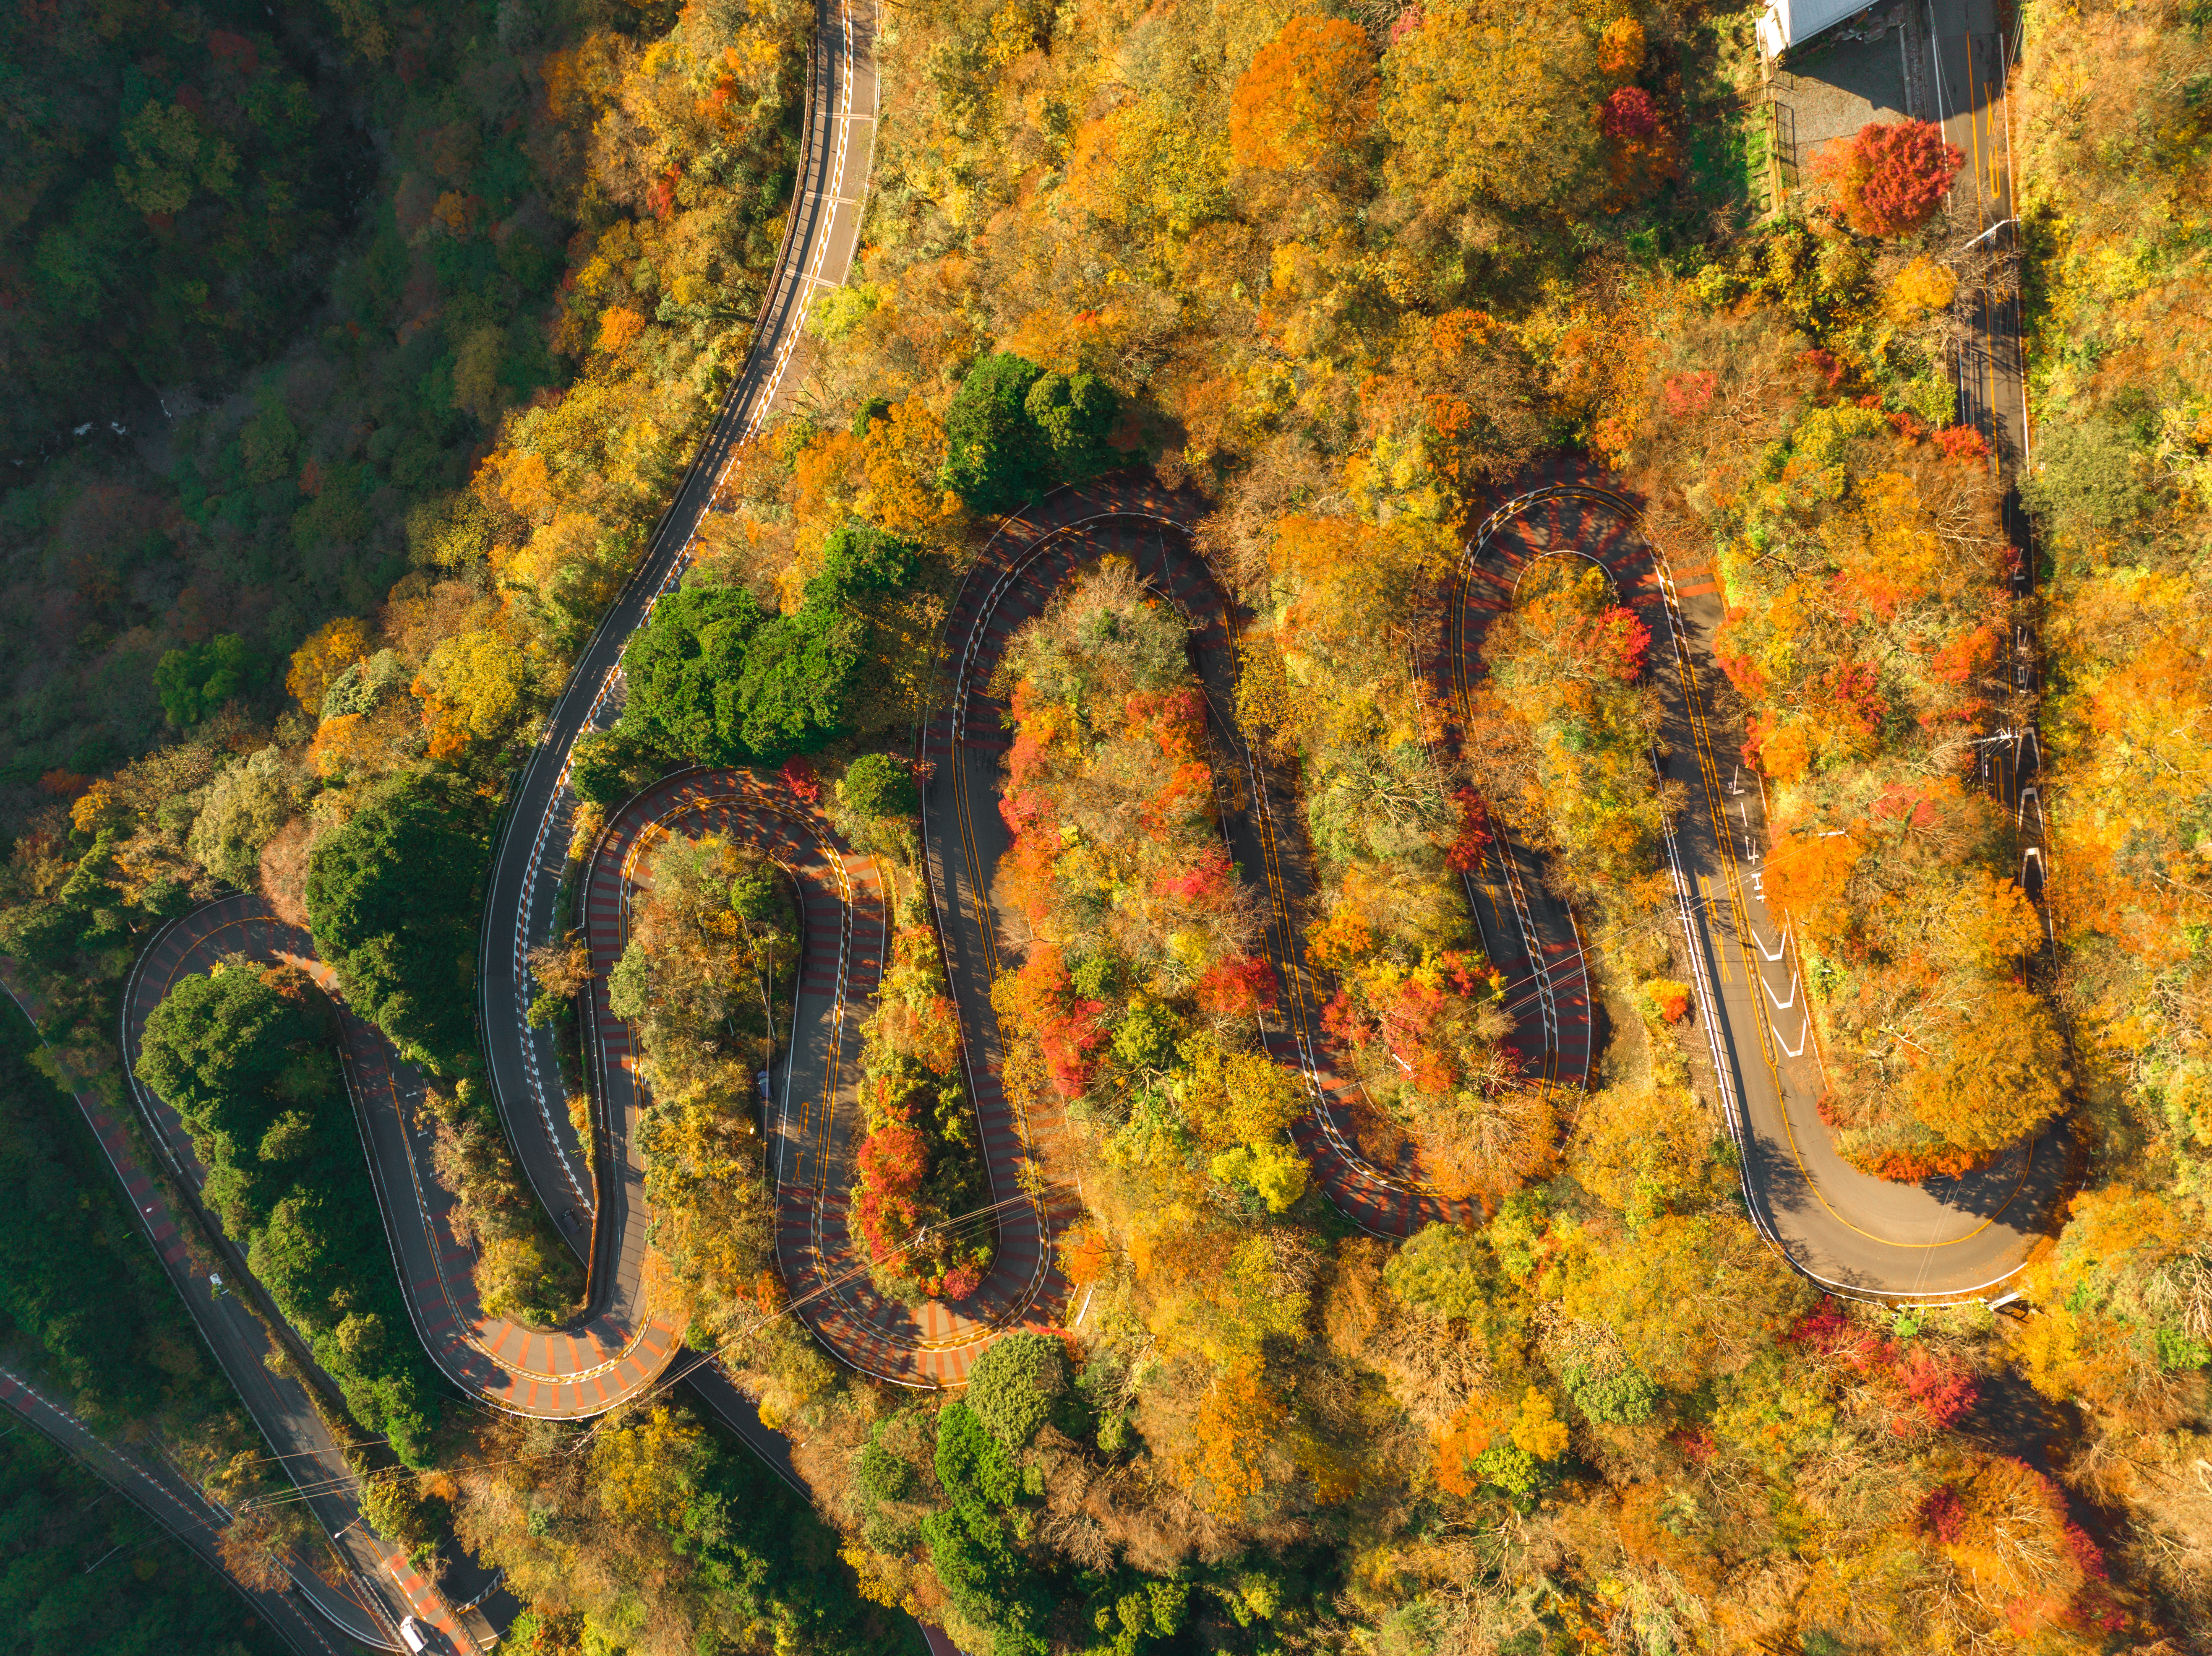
x: 1014, y: 429
x: 630, y: 986
x: 995, y: 456
x: 973, y: 1462
x: 876, y: 785
x: 597, y: 767
x: 193, y: 681
x: 243, y: 1055
x: 1446, y: 1269
x: 75, y: 1294
x: 715, y: 679
x: 791, y: 695
x: 246, y: 805
x: 391, y: 903
x: 57, y: 1525
x: 1073, y: 412
x: 860, y: 561
x: 971, y: 1547
x: 1014, y: 1384
x: 1617, y: 1394
x: 684, y: 667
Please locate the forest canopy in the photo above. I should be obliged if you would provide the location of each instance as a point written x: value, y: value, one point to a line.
x: 358, y: 349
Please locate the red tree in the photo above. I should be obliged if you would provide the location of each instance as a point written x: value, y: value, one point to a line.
x: 1888, y: 179
x: 1629, y: 114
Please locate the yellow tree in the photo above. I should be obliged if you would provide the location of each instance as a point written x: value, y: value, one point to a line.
x: 2003, y: 1076
x: 474, y: 684
x: 641, y: 1472
x: 1495, y: 1440
x: 2118, y: 1303
x: 1494, y: 103
x: 316, y: 664
x: 1235, y: 1098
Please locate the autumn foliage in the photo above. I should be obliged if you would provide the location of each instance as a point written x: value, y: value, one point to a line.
x: 1309, y: 97
x: 1560, y: 741
x: 1867, y: 646
x: 919, y: 1182
x: 1889, y: 178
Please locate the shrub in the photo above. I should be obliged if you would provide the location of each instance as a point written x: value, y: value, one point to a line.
x: 882, y: 1476
x: 1669, y: 998
x: 877, y: 785
x: 1444, y: 1268
x: 2084, y: 481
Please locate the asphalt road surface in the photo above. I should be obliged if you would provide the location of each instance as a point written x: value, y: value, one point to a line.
x: 523, y: 900
x: 824, y: 231
x: 333, y: 1625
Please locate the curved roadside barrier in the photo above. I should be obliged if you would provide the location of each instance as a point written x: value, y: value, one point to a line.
x: 523, y: 898
x: 1134, y: 518
x: 522, y: 1370
x: 1845, y: 1231
x: 815, y: 1122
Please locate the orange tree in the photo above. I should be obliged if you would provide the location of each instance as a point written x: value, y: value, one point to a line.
x: 1309, y: 97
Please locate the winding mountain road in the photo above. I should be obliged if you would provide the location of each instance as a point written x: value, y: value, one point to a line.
x: 816, y: 1122
x: 613, y: 1352
x: 1858, y: 1236
x: 604, y: 1210
x: 621, y: 1347
x: 171, y: 1501
x: 1938, y: 1239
